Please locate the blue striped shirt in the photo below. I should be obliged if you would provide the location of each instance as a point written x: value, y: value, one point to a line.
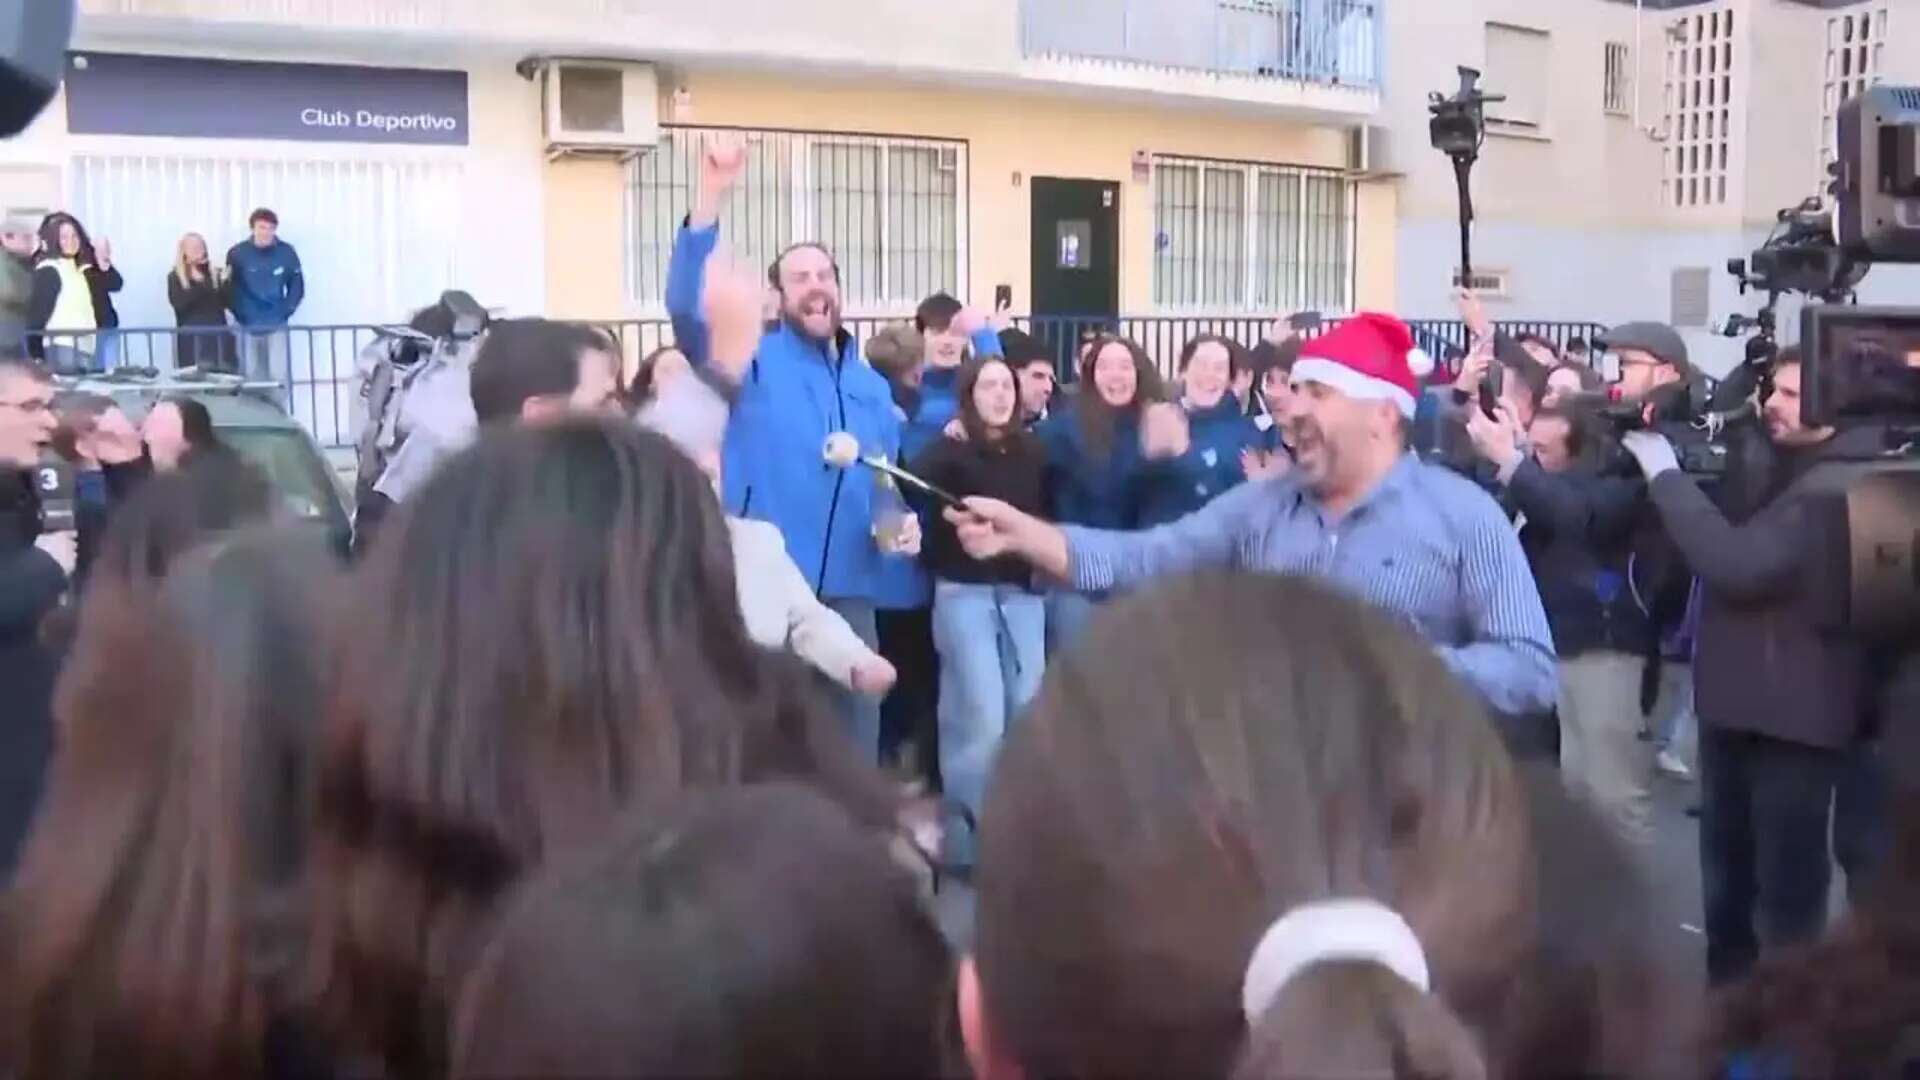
x: 1426, y: 546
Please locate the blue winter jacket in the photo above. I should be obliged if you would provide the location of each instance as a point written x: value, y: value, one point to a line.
x: 267, y: 285
x: 1173, y: 488
x: 1099, y: 491
x: 795, y: 394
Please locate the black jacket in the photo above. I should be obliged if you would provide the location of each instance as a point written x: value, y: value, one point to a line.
x: 197, y: 303
x: 31, y: 585
x: 1762, y: 664
x: 1013, y: 470
x: 1577, y: 535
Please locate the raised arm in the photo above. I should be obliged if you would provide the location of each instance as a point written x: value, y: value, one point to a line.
x: 721, y: 163
x: 1759, y: 560
x: 1509, y: 656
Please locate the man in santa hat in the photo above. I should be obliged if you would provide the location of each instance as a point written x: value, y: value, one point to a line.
x: 1356, y: 508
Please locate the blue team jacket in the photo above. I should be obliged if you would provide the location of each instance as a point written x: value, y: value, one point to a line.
x: 795, y: 394
x: 1095, y: 490
x: 267, y: 284
x: 1173, y: 488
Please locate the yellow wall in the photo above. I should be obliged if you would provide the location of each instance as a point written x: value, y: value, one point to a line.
x: 1007, y: 134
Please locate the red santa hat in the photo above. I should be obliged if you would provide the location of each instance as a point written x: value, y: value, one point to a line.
x: 1370, y: 357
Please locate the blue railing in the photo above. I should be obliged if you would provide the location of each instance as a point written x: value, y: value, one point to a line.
x: 315, y: 364
x: 1336, y: 42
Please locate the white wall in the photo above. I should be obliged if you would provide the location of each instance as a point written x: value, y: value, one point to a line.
x: 474, y: 213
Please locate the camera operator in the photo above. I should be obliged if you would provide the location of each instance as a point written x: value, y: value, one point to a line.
x: 1612, y: 583
x: 1781, y: 702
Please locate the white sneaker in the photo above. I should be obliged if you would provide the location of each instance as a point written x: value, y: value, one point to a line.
x: 1668, y: 763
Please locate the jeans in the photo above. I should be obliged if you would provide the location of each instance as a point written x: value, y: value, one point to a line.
x: 263, y: 358
x: 1673, y: 720
x: 67, y: 359
x: 1862, y: 835
x: 106, y: 350
x: 1068, y: 614
x: 1604, y: 756
x: 1764, y: 807
x: 992, y: 645
x: 862, y: 712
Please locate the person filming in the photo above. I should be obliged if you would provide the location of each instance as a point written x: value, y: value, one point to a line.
x: 1781, y: 701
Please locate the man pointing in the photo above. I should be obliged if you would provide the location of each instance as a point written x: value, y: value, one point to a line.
x: 1356, y: 508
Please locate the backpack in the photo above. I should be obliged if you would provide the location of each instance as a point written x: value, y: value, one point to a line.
x: 440, y: 341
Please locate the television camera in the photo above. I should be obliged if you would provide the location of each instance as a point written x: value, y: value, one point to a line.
x: 1861, y: 365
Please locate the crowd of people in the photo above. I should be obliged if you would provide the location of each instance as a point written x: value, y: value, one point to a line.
x: 1290, y: 718
x: 73, y: 326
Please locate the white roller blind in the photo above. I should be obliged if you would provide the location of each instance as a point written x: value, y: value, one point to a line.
x: 376, y: 239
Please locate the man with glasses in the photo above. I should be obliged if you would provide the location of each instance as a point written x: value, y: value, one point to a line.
x: 34, y: 567
x: 1620, y: 587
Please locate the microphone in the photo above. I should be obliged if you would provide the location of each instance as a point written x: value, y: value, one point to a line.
x: 1598, y: 399
x: 842, y: 451
x: 54, y: 479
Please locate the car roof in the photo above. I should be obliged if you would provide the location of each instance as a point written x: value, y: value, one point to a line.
x: 230, y: 402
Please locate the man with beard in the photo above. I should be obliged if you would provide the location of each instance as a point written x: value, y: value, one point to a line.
x: 806, y: 381
x: 1356, y: 508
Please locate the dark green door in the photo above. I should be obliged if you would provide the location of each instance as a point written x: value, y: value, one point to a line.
x: 1076, y: 261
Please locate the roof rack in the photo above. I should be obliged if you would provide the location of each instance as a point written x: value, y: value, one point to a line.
x: 185, y: 380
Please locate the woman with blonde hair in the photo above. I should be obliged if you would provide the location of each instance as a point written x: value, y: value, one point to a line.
x: 198, y: 292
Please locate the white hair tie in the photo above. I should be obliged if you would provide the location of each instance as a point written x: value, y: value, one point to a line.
x: 1349, y: 929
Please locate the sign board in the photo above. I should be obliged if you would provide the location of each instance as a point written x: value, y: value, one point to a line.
x: 191, y: 97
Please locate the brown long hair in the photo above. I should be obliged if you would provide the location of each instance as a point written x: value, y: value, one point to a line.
x: 752, y: 931
x: 550, y: 636
x: 155, y: 925
x: 978, y: 430
x: 1169, y: 795
x: 1096, y: 418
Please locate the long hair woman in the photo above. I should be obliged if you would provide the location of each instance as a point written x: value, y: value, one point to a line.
x: 73, y: 286
x: 197, y: 290
x: 1197, y: 448
x: 1283, y: 841
x: 989, y: 626
x: 547, y: 636
x: 1093, y: 449
x: 158, y: 919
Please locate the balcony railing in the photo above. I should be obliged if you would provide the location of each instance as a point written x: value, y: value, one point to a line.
x: 1332, y: 42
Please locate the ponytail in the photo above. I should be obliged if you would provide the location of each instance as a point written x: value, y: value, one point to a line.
x: 1358, y: 1018
x: 1340, y: 988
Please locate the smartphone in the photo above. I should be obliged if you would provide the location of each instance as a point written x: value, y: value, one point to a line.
x: 1002, y: 297
x: 1490, y: 386
x: 1304, y: 320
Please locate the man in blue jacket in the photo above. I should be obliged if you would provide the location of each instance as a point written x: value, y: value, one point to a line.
x: 265, y: 289
x: 806, y: 382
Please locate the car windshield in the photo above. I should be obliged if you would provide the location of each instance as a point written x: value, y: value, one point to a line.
x: 295, y: 471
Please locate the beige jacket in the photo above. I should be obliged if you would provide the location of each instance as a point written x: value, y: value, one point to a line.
x: 782, y: 612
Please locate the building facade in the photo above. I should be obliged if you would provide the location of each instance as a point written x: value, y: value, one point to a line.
x: 1089, y: 158
x: 1641, y: 146
x: 1083, y: 157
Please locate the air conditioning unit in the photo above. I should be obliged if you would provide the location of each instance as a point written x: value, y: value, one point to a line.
x: 600, y: 105
x: 1369, y: 151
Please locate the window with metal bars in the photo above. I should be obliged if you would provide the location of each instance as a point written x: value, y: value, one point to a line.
x: 1617, y: 91
x: 1242, y: 236
x: 892, y: 210
x: 1856, y: 41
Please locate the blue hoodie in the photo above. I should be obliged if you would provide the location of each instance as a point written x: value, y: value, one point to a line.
x: 267, y: 284
x: 1095, y: 490
x: 795, y: 394
x: 1173, y: 488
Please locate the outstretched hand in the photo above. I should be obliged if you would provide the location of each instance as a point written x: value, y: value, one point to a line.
x: 1164, y: 432
x: 723, y: 160
x: 1496, y: 438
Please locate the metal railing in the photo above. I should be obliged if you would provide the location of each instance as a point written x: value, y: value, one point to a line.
x: 315, y: 364
x: 1335, y: 42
